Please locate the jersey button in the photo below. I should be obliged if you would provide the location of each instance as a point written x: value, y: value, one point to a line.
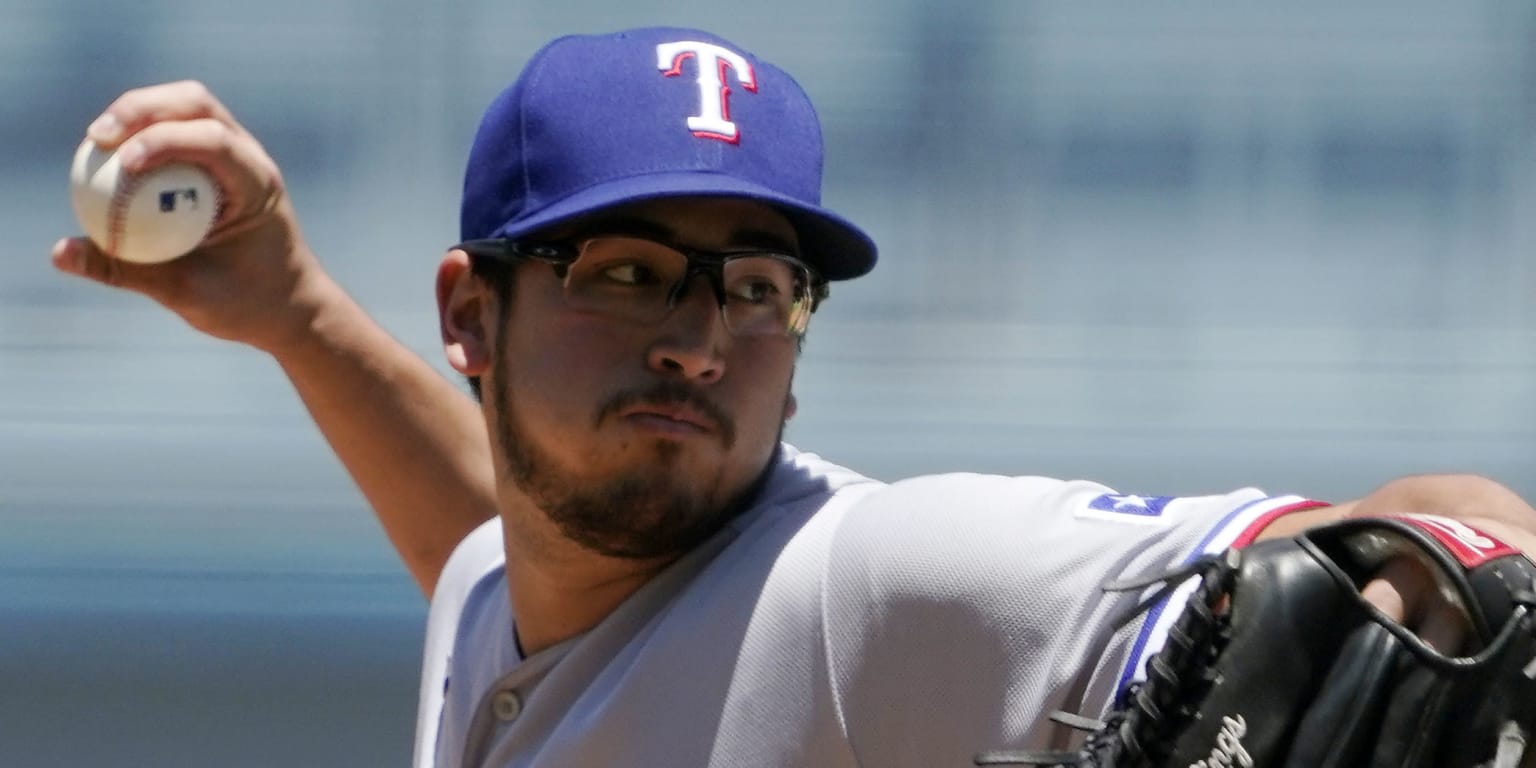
x: 506, y: 706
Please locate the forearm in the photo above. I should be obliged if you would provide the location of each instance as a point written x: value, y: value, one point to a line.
x: 1469, y: 498
x: 415, y: 445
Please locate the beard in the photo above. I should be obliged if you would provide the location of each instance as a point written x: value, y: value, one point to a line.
x: 640, y: 512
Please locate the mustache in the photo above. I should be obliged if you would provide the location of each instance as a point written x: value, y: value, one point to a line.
x: 671, y: 393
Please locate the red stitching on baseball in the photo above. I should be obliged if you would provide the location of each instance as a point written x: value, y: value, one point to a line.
x: 117, y: 209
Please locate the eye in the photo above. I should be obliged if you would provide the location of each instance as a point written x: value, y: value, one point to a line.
x: 631, y: 273
x: 755, y: 290
x: 759, y: 280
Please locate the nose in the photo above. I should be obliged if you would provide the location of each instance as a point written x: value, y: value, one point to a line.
x: 693, y: 338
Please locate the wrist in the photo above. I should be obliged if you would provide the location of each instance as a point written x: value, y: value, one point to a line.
x: 318, y: 314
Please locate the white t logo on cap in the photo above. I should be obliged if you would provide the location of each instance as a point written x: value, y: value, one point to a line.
x: 714, y: 120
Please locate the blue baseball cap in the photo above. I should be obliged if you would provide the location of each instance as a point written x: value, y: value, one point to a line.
x: 599, y: 120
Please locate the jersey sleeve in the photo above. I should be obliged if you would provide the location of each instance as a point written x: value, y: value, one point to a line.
x: 477, y: 553
x: 1216, y: 523
x: 961, y: 610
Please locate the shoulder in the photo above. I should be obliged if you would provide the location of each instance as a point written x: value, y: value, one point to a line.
x: 963, y: 509
x: 797, y: 478
x: 475, y: 562
x: 477, y: 554
x: 933, y: 534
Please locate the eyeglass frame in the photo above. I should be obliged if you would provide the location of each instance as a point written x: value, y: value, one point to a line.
x: 561, y: 253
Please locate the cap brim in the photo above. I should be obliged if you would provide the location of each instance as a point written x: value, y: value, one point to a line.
x: 833, y: 245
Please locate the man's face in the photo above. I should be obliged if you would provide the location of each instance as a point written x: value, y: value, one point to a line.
x: 637, y: 439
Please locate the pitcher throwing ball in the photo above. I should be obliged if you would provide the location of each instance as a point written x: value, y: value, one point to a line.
x: 628, y: 566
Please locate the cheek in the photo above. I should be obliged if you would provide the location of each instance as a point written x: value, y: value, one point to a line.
x: 559, y: 373
x: 759, y: 385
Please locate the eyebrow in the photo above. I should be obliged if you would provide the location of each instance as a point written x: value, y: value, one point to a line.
x: 740, y: 238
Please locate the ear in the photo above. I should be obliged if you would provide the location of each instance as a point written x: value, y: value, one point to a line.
x: 791, y: 405
x: 464, y: 304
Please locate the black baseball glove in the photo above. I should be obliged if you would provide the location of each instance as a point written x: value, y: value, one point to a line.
x: 1278, y: 661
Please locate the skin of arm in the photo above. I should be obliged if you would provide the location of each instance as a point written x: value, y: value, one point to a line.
x: 1470, y: 498
x: 415, y: 445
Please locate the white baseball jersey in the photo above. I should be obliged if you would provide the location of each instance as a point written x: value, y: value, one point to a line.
x: 839, y: 622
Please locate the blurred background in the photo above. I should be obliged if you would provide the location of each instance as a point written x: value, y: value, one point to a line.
x: 1177, y: 248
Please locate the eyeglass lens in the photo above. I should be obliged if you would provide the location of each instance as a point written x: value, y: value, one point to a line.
x: 637, y: 279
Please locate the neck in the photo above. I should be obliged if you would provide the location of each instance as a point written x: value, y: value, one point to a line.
x: 559, y: 588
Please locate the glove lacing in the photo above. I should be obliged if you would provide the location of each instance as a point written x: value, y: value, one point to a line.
x: 1147, y: 715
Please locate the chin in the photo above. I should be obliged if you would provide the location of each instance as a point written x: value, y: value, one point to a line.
x: 653, y: 453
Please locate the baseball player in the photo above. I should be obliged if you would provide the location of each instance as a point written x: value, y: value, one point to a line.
x: 634, y: 569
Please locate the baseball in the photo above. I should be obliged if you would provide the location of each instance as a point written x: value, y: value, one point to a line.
x: 146, y: 218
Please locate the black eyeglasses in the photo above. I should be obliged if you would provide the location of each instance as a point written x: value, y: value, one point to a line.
x: 639, y: 279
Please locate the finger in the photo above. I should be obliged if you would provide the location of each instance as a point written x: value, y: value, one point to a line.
x: 140, y: 107
x: 1405, y: 591
x: 80, y: 257
x: 1443, y: 628
x: 246, y: 176
x: 68, y: 255
x: 202, y: 141
x: 1385, y: 596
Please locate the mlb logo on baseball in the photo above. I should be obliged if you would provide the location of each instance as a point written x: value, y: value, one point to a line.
x: 168, y: 199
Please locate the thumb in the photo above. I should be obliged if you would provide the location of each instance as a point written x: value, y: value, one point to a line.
x: 79, y: 256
